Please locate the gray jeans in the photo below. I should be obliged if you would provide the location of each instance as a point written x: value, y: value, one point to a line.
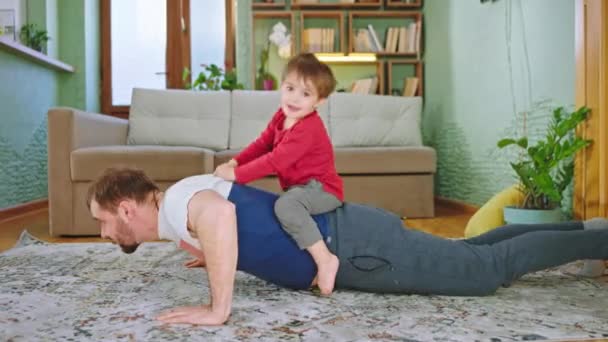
x: 378, y: 254
x: 294, y: 207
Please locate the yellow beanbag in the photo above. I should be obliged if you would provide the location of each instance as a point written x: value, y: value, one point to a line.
x: 490, y: 215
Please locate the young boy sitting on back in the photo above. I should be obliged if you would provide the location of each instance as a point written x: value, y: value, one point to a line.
x: 296, y: 147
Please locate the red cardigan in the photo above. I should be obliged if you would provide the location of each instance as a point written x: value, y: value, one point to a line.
x: 296, y: 155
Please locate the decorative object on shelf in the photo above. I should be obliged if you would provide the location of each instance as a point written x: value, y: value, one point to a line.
x: 34, y: 38
x: 212, y: 78
x: 282, y: 40
x: 7, y: 24
x: 546, y: 168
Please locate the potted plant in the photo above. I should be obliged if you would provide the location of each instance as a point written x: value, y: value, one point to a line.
x: 34, y: 38
x: 212, y: 78
x: 282, y: 40
x: 546, y: 168
x: 264, y: 79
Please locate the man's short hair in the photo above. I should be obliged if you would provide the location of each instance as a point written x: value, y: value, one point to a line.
x: 308, y: 67
x: 117, y: 184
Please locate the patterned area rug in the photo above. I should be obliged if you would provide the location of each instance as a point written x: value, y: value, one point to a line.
x: 91, y: 291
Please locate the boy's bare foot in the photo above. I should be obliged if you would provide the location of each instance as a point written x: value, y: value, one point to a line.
x: 326, y: 275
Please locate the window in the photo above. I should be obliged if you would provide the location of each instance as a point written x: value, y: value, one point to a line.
x: 148, y: 43
x: 139, y: 41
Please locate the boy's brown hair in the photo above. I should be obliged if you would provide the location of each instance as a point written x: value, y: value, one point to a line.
x: 309, y: 68
x: 117, y: 184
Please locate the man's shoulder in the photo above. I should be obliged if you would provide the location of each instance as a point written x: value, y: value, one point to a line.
x: 201, y: 181
x: 189, y: 186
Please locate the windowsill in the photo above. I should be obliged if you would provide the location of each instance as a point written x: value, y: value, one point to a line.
x: 31, y: 54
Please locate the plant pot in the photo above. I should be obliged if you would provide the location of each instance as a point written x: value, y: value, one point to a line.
x: 513, y: 215
x: 268, y: 84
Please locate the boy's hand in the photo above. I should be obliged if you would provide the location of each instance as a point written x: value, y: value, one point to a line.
x: 225, y: 171
x: 232, y: 162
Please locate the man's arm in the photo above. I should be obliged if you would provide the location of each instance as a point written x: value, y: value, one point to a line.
x: 199, y: 256
x: 213, y: 218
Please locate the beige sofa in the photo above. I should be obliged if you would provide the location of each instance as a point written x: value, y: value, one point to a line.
x: 173, y: 134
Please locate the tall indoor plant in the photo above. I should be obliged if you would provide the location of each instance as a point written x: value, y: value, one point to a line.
x: 546, y: 168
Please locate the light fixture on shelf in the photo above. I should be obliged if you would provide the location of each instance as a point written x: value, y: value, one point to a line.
x: 341, y: 57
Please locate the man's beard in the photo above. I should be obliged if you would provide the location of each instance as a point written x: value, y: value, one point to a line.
x: 125, y: 231
x: 129, y: 248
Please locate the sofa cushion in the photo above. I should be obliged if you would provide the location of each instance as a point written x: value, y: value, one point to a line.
x: 251, y: 112
x: 179, y: 118
x: 372, y: 120
x: 385, y: 160
x: 161, y: 163
x: 371, y: 160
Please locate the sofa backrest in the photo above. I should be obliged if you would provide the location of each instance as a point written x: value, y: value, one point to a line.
x: 373, y: 120
x: 179, y: 118
x: 222, y: 120
x: 251, y: 112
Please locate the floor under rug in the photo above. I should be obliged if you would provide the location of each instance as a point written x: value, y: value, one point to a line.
x: 92, y: 291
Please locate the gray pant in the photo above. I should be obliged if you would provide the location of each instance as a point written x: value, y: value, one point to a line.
x: 378, y: 254
x: 294, y: 207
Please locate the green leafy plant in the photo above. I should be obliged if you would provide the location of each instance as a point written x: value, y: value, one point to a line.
x: 547, y: 167
x: 212, y: 78
x: 34, y: 38
x: 263, y: 74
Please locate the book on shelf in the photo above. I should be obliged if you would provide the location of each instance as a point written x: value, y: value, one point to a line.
x: 411, y: 39
x: 365, y: 86
x: 374, y: 36
x: 318, y: 40
x: 410, y: 86
x: 363, y: 41
x: 418, y: 34
x: 402, y: 39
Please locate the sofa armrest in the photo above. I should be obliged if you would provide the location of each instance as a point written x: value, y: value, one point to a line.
x: 70, y: 129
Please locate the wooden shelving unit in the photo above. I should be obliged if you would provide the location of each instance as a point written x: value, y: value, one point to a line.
x: 403, y: 4
x: 267, y: 5
x: 336, y: 4
x: 378, y: 67
x: 336, y: 16
x: 347, y: 19
x: 418, y: 71
x: 381, y: 20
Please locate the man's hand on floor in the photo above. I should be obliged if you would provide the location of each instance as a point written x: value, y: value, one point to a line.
x: 198, y: 315
x: 195, y: 263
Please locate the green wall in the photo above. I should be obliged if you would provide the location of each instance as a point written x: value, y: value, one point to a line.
x: 29, y: 89
x: 486, y: 67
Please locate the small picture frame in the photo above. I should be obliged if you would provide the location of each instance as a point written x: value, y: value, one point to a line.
x: 7, y: 24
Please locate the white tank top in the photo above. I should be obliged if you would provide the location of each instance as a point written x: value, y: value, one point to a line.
x: 173, y: 211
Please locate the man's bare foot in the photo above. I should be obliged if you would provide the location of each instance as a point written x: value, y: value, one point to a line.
x: 327, y: 275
